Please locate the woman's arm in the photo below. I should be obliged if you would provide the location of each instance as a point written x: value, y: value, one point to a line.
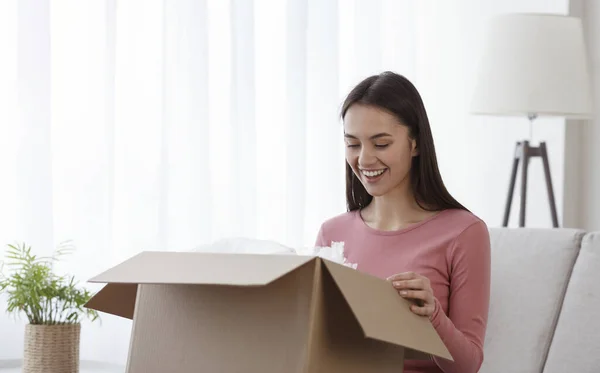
x: 463, y: 329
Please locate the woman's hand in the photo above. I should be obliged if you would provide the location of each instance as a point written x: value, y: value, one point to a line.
x: 415, y: 287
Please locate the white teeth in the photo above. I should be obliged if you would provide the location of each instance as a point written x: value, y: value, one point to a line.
x: 372, y: 173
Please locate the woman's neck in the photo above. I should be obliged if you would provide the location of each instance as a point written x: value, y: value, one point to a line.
x: 394, y: 211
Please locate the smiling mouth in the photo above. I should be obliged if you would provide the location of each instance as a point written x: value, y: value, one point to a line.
x: 373, y: 174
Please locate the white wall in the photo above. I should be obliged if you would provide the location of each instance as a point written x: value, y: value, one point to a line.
x: 582, y: 202
x: 36, y: 92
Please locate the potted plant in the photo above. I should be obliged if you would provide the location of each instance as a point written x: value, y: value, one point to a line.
x: 53, y: 305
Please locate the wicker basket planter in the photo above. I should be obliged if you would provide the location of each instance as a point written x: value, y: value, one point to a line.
x: 51, y: 348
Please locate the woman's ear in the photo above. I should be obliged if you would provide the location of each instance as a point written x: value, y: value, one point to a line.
x: 414, y: 150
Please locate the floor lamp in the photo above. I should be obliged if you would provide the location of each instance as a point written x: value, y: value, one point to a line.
x: 533, y: 65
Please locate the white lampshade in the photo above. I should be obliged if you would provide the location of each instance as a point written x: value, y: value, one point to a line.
x: 534, y: 64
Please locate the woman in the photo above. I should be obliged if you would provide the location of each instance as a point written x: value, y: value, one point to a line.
x: 404, y: 226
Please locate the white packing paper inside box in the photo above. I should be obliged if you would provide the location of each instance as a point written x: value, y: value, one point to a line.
x: 242, y: 245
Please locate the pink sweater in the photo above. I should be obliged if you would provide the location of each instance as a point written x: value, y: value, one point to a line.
x: 452, y: 249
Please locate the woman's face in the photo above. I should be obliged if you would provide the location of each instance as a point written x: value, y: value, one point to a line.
x: 378, y: 148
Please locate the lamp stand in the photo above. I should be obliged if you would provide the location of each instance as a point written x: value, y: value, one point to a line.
x: 523, y: 153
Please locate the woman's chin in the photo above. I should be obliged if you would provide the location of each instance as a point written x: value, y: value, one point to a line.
x: 377, y: 191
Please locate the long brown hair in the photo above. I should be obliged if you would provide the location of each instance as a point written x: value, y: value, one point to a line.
x: 397, y: 95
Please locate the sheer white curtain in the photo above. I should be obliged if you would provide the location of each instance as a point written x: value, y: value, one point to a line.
x: 129, y: 125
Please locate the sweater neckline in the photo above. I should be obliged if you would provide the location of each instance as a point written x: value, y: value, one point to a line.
x: 368, y: 228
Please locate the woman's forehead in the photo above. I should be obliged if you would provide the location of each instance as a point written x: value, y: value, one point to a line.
x: 362, y: 120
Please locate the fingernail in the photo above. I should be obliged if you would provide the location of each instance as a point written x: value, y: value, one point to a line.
x: 403, y: 292
x: 396, y: 283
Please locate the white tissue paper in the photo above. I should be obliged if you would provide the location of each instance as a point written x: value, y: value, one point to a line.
x: 242, y: 245
x: 334, y: 253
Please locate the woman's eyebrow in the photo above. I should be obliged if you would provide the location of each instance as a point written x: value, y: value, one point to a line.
x: 376, y: 136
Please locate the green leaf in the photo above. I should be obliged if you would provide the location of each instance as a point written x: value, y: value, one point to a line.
x: 34, y: 290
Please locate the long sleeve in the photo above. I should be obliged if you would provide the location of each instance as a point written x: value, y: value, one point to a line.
x: 463, y: 329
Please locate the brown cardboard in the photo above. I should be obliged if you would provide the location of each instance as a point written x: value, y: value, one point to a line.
x: 201, y: 312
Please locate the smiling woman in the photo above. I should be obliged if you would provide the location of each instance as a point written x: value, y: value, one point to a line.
x: 387, y: 129
x: 403, y: 225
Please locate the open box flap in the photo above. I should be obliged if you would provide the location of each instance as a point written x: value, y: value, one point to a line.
x: 115, y: 299
x: 155, y: 267
x: 118, y: 297
x: 385, y: 316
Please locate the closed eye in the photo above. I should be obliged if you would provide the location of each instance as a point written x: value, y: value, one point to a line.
x: 382, y: 146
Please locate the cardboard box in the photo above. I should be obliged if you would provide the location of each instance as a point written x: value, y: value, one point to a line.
x: 201, y: 312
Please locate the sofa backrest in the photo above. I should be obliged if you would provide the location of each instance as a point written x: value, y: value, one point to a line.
x: 530, y: 273
x: 576, y: 343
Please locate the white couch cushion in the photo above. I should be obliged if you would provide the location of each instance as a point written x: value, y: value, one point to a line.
x: 530, y: 271
x: 576, y: 343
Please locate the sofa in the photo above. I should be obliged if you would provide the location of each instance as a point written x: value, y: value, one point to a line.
x: 545, y: 302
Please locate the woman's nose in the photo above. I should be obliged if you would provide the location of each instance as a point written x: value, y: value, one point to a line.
x: 366, y: 158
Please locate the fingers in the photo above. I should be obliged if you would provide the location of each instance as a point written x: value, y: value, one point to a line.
x: 416, y: 294
x: 426, y: 310
x: 417, y: 284
x: 409, y: 279
x: 417, y: 288
x: 403, y: 276
x: 422, y: 298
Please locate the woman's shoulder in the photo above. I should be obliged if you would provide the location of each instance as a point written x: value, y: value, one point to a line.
x: 468, y: 233
x: 469, y: 241
x: 459, y: 221
x: 339, y: 221
x: 334, y: 227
